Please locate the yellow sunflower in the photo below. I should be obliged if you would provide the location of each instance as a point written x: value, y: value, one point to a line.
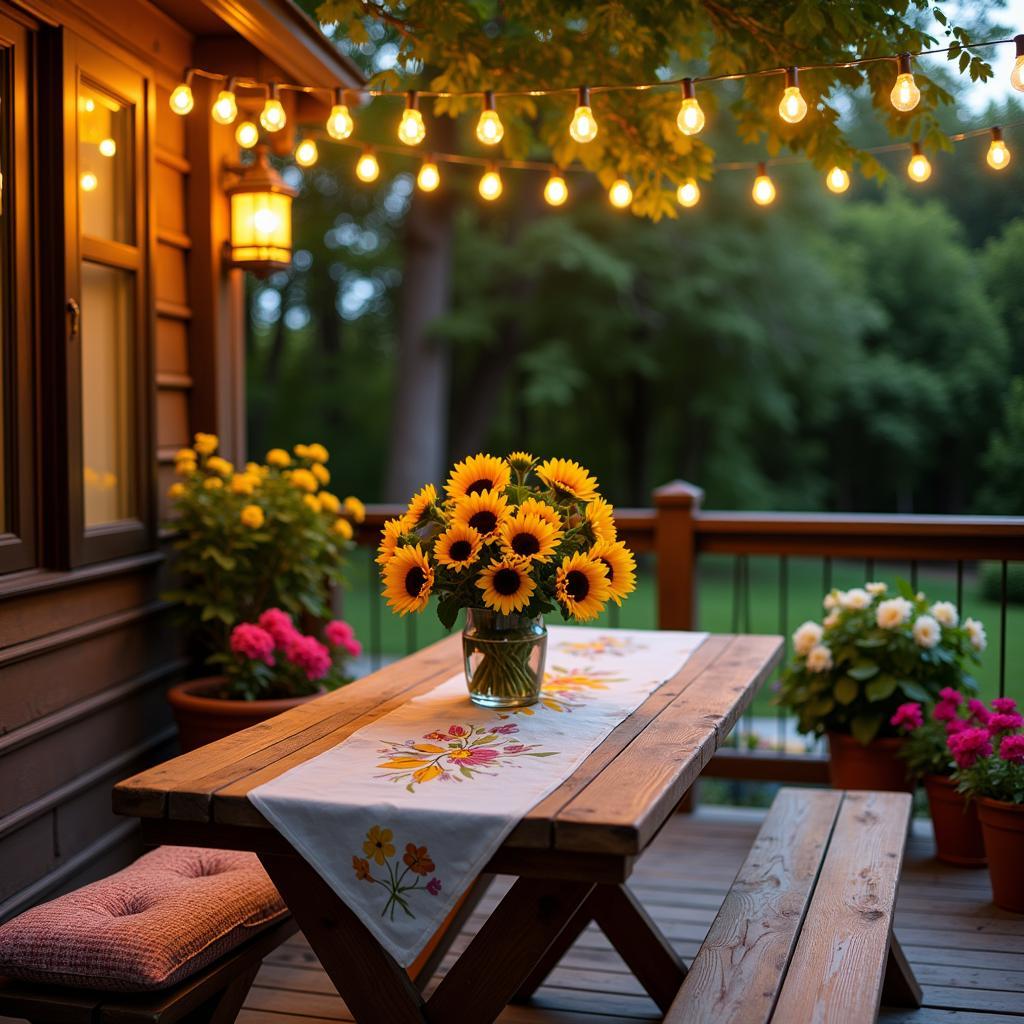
x: 422, y: 501
x: 408, y: 580
x: 536, y: 507
x: 621, y: 566
x: 568, y: 479
x: 389, y: 537
x: 477, y: 473
x: 506, y: 585
x: 529, y: 537
x: 581, y: 585
x: 601, y: 518
x: 457, y: 547
x: 521, y: 462
x: 485, y: 511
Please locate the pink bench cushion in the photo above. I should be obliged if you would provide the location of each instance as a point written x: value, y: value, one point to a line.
x: 166, y: 916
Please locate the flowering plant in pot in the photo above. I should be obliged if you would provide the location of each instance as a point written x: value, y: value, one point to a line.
x: 871, y: 653
x: 511, y: 539
x: 926, y: 752
x: 989, y: 760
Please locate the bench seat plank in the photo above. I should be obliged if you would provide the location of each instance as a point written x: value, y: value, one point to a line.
x: 737, y: 974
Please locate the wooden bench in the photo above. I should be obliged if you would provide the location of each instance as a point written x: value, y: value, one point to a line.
x: 805, y: 933
x: 211, y: 996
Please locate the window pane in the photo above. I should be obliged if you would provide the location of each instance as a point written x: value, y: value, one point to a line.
x: 107, y: 454
x: 105, y: 180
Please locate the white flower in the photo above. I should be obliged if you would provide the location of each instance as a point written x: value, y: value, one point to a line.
x: 976, y: 634
x: 855, y: 599
x: 876, y: 588
x: 831, y: 600
x: 945, y: 613
x: 832, y: 618
x: 893, y: 613
x: 819, y: 658
x: 807, y: 634
x: 926, y: 632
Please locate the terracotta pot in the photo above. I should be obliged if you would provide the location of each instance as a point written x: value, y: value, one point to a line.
x: 957, y: 831
x: 852, y: 765
x: 203, y: 718
x: 1002, y: 826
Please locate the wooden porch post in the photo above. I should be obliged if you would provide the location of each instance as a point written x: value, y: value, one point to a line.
x: 676, y: 504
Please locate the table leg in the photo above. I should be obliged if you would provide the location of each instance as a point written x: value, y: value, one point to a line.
x: 900, y: 987
x: 373, y: 984
x: 505, y: 951
x: 550, y: 960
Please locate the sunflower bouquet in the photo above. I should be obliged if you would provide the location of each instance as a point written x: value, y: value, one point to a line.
x: 510, y: 540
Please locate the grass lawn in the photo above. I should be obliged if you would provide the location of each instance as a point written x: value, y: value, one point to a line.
x: 767, y: 608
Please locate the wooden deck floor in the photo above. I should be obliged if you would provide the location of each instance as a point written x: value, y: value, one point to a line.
x: 968, y: 955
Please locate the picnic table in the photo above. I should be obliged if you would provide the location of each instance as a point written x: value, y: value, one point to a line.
x: 570, y: 855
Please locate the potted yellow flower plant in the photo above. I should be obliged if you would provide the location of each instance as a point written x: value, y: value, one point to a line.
x: 258, y: 552
x: 509, y: 541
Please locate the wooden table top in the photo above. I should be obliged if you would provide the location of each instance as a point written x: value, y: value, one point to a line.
x: 613, y: 804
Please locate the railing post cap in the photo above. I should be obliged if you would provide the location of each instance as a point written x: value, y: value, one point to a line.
x: 679, y: 493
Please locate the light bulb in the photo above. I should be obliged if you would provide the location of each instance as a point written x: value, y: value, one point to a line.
x: 584, y: 125
x: 1017, y: 74
x: 429, y: 177
x: 620, y: 195
x: 764, y: 188
x: 182, y: 100
x: 489, y: 129
x: 247, y: 135
x: 411, y: 129
x: 792, y: 107
x: 306, y: 153
x: 905, y: 94
x: 556, y: 191
x: 690, y: 119
x: 490, y: 186
x: 225, y: 107
x: 107, y: 147
x: 367, y: 168
x: 89, y: 105
x: 688, y: 193
x: 837, y: 180
x: 272, y: 116
x: 339, y: 122
x: 919, y: 168
x: 998, y: 155
x: 265, y: 221
x: 88, y: 182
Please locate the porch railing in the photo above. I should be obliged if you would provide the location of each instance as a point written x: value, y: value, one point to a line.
x: 765, y: 565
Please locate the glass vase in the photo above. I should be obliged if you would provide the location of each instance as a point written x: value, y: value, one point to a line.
x: 504, y: 657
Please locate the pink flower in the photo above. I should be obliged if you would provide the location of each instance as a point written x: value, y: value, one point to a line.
x: 908, y: 716
x: 979, y: 711
x: 1004, y: 723
x: 352, y: 647
x: 956, y: 725
x: 310, y: 655
x: 953, y: 696
x: 253, y: 642
x: 967, y: 746
x: 515, y: 748
x: 1011, y: 748
x: 1004, y: 705
x: 457, y: 730
x: 945, y: 711
x: 434, y: 886
x: 505, y: 730
x: 478, y: 756
x: 279, y: 625
x: 338, y: 632
x: 436, y: 736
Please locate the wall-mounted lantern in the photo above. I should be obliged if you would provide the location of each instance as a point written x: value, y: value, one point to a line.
x: 261, y: 218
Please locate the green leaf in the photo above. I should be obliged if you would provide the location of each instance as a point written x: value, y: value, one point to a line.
x: 880, y: 688
x: 846, y: 691
x: 915, y: 691
x: 865, y: 727
x: 862, y: 669
x: 448, y: 611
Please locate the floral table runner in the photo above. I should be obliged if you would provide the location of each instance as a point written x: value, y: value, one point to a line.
x: 400, y: 818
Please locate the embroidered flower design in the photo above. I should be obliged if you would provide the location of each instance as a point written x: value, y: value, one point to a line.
x: 378, y: 845
x: 400, y: 882
x: 620, y: 646
x: 362, y: 869
x: 564, y: 690
x: 416, y: 858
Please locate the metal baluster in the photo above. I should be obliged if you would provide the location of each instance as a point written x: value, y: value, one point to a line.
x: 613, y: 615
x: 1002, y: 629
x: 736, y: 575
x: 913, y: 575
x: 410, y: 634
x: 960, y: 588
x: 869, y: 569
x: 374, y: 598
x: 784, y: 630
x: 826, y: 567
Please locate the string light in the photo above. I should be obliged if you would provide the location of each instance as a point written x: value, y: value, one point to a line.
x: 306, y: 153
x: 429, y: 177
x: 367, y: 168
x: 690, y: 119
x: 620, y: 195
x: 688, y: 194
x: 88, y: 182
x: 489, y: 129
x: 998, y: 155
x: 225, y: 106
x: 107, y: 147
x: 340, y: 124
x: 490, y: 186
x: 764, y: 188
x: 182, y: 100
x: 584, y: 125
x: 919, y: 168
x: 905, y: 94
x: 556, y: 191
x: 792, y: 106
x: 837, y: 180
x: 272, y: 116
x: 247, y: 135
x: 1017, y: 74
x: 411, y: 129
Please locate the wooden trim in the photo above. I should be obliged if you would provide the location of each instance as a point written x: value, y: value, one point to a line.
x: 111, y: 254
x: 172, y: 310
x: 168, y: 158
x: 13, y: 587
x: 174, y: 382
x: 729, y: 763
x: 175, y: 239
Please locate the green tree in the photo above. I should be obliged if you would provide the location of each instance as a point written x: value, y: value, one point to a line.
x: 1003, y: 492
